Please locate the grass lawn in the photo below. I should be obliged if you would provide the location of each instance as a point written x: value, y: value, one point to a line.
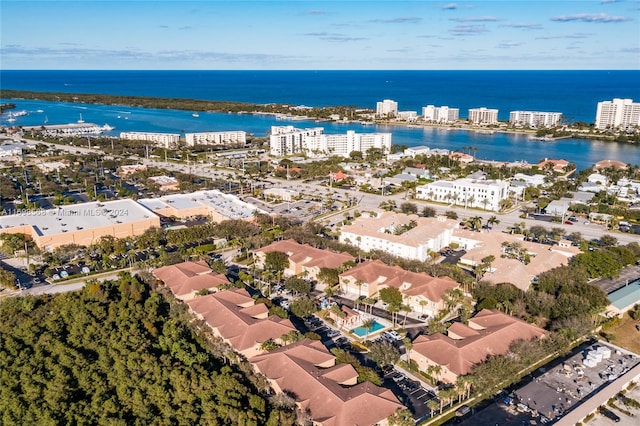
x: 626, y: 334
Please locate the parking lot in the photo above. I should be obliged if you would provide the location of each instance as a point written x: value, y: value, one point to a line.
x: 625, y: 420
x: 411, y: 392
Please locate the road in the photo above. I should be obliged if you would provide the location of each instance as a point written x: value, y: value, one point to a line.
x: 68, y: 148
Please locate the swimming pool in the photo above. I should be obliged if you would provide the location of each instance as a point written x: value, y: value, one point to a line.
x: 361, y: 331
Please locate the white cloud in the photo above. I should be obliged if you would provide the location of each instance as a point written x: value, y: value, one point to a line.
x: 462, y: 30
x: 479, y: 19
x: 450, y: 6
x: 590, y: 17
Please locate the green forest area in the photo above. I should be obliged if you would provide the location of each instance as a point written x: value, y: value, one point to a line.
x: 119, y: 353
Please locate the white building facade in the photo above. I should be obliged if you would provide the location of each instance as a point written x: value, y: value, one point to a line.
x: 483, y: 116
x: 314, y: 143
x: 165, y: 140
x: 287, y: 140
x: 216, y: 138
x: 386, y: 108
x: 377, y: 231
x: 442, y: 114
x: 618, y: 113
x: 474, y: 193
x: 344, y: 144
x: 535, y: 118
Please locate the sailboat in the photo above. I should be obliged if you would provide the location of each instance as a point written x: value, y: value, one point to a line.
x: 81, y: 120
x: 46, y: 119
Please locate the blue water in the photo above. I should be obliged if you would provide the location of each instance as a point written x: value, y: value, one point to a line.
x: 362, y: 331
x: 574, y: 93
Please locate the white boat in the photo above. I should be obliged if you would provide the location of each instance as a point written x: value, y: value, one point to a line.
x: 46, y: 119
x: 40, y: 110
x: 20, y: 113
x: 80, y: 120
x: 11, y: 119
x: 195, y: 114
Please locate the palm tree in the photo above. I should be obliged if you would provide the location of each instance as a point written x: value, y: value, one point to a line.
x: 422, y: 304
x: 408, y: 346
x: 359, y: 284
x: 433, y: 406
x: 492, y: 221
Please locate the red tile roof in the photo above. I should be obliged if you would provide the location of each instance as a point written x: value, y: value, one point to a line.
x: 411, y: 283
x: 306, y: 255
x: 489, y: 333
x: 232, y: 314
x: 185, y: 278
x: 305, y: 370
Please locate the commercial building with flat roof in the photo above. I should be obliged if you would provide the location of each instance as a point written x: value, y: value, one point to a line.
x: 210, y: 203
x: 81, y: 224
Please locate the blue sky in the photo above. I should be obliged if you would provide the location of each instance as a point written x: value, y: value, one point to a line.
x: 319, y: 35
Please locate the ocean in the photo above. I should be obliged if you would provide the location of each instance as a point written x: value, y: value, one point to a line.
x: 573, y: 93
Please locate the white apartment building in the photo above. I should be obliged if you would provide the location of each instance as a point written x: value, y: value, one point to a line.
x: 216, y: 138
x: 410, y: 116
x: 618, y: 113
x: 386, y: 108
x: 10, y: 150
x: 287, y: 140
x: 384, y: 231
x: 535, y: 118
x: 344, y: 144
x: 474, y: 193
x: 442, y: 114
x: 483, y: 116
x: 165, y: 140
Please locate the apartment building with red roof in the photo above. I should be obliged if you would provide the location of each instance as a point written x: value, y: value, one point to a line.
x: 488, y: 333
x: 303, y: 259
x: 329, y: 393
x: 236, y: 319
x: 187, y: 278
x: 422, y: 292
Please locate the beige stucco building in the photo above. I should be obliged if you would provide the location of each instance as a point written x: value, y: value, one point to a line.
x: 81, y: 224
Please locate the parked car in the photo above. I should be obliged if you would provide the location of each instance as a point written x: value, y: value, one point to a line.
x: 609, y: 414
x: 462, y: 411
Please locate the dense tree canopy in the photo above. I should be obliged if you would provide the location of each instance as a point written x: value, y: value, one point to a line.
x: 116, y: 353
